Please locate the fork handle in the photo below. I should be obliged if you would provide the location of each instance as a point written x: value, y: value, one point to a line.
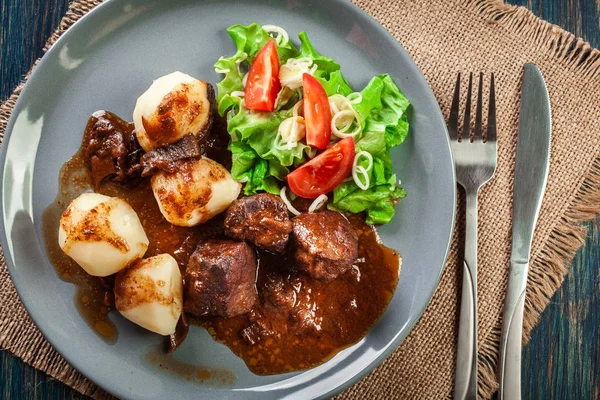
x: 465, y: 378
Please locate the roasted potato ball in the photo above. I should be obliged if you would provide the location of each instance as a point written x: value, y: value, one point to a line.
x: 198, y: 191
x: 174, y: 106
x: 102, y: 234
x: 149, y: 293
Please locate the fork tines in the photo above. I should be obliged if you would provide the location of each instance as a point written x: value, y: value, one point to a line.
x: 491, y: 120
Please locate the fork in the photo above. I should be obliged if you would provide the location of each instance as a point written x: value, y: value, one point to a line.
x: 475, y: 163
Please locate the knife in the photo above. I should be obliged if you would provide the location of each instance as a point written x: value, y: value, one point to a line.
x: 531, y: 175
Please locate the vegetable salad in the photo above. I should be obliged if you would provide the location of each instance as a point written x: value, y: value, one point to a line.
x: 293, y: 118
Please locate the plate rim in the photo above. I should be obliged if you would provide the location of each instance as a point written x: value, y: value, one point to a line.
x: 28, y: 303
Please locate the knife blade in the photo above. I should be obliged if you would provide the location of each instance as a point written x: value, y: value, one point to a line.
x: 531, y: 175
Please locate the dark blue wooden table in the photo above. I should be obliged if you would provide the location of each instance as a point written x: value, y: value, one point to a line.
x: 562, y: 360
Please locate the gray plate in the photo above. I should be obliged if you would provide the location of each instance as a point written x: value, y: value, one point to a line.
x: 106, y: 61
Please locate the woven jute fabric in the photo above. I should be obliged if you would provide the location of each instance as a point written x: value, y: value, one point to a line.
x: 445, y: 37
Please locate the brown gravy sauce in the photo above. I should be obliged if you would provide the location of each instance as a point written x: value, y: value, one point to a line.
x: 326, y: 316
x: 92, y: 294
x: 208, y: 376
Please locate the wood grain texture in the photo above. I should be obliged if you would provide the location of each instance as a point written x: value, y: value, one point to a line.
x: 562, y: 360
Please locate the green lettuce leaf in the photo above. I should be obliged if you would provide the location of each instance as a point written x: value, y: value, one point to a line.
x: 383, y: 117
x: 378, y: 202
x: 325, y: 64
x: 390, y: 118
x: 248, y: 167
x: 259, y: 130
x: 371, y: 99
x: 243, y: 159
x: 335, y: 84
x: 261, y: 180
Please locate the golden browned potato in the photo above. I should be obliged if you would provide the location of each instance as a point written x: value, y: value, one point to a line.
x: 198, y: 191
x: 174, y: 106
x: 149, y: 293
x: 102, y: 234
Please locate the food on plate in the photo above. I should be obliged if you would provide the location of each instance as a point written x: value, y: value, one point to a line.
x: 111, y: 148
x: 149, y: 293
x: 262, y: 84
x: 197, y: 191
x: 325, y: 172
x: 102, y: 234
x: 178, y: 337
x: 325, y: 244
x: 255, y: 216
x: 219, y: 279
x: 169, y: 158
x: 174, y: 106
x: 262, y: 219
x: 314, y: 109
x: 317, y: 113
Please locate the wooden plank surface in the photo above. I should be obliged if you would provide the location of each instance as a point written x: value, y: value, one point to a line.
x: 562, y: 360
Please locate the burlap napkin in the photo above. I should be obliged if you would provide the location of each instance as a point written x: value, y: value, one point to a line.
x: 445, y: 37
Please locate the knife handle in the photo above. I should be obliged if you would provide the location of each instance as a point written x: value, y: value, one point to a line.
x: 512, y: 334
x: 465, y: 377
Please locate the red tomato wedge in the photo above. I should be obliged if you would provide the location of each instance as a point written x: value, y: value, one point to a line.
x: 317, y: 113
x: 324, y: 172
x: 263, y: 85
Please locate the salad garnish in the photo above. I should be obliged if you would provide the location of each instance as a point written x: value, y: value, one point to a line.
x: 293, y: 118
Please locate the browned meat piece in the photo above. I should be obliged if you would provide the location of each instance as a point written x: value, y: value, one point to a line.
x: 261, y: 219
x: 278, y: 292
x: 296, y: 306
x: 287, y: 307
x: 169, y: 157
x: 252, y: 334
x: 215, y: 145
x: 220, y: 279
x: 108, y: 285
x: 325, y: 244
x: 174, y: 340
x: 111, y: 148
x: 302, y: 205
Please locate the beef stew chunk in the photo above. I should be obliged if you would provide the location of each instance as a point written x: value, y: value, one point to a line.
x: 325, y: 244
x: 111, y: 148
x: 289, y: 306
x: 220, y: 279
x: 169, y: 157
x: 261, y: 219
x: 278, y: 301
x: 252, y: 334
